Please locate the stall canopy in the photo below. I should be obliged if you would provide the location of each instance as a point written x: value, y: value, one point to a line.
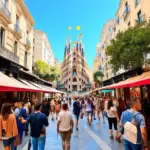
x: 47, y: 89
x: 13, y: 85
x: 140, y: 80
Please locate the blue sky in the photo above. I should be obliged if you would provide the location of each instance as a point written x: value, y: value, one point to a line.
x: 55, y: 16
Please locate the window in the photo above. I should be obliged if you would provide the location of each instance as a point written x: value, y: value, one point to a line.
x: 126, y: 8
x: 136, y: 2
x: 25, y: 59
x: 74, y: 72
x: 2, y: 37
x: 139, y: 15
x: 74, y: 80
x: 129, y: 24
x: 15, y: 47
x: 118, y: 20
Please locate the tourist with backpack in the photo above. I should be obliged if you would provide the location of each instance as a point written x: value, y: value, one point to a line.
x: 133, y: 122
x: 76, y: 111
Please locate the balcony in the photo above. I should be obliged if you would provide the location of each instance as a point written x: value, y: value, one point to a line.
x: 28, y: 44
x: 18, y: 31
x: 9, y: 55
x: 5, y: 15
x: 126, y: 12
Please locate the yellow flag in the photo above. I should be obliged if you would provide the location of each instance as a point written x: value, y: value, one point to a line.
x: 69, y: 28
x: 78, y: 27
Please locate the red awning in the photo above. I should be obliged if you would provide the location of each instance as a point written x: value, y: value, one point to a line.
x: 143, y: 79
x: 13, y: 85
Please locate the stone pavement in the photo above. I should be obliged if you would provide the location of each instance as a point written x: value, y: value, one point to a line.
x: 95, y: 137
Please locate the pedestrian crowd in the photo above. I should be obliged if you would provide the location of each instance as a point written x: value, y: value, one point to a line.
x: 126, y: 121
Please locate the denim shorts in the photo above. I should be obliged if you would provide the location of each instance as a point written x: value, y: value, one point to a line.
x: 7, y: 142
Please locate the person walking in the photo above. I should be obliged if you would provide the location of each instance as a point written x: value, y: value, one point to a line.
x: 65, y: 126
x: 8, y: 127
x: 133, y: 115
x: 52, y: 108
x: 38, y: 123
x: 76, y: 111
x: 57, y: 109
x: 20, y: 112
x: 88, y: 110
x: 45, y: 108
x: 112, y: 118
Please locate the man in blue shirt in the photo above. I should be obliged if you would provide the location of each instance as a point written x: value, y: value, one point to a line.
x: 140, y: 123
x: 76, y: 111
x: 38, y: 121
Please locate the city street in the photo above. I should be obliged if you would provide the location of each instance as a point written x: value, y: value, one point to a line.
x: 95, y: 137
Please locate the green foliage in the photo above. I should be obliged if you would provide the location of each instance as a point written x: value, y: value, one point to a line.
x: 130, y: 48
x: 46, y: 72
x: 98, y: 76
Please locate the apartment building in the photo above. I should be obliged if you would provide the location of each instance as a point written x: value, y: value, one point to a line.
x: 42, y: 50
x: 75, y: 72
x: 108, y: 33
x: 97, y: 60
x: 16, y: 35
x: 131, y: 12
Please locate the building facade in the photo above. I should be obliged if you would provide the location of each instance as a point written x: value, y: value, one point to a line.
x: 75, y: 72
x: 97, y: 60
x: 129, y: 13
x: 108, y: 33
x: 16, y: 34
x: 42, y: 49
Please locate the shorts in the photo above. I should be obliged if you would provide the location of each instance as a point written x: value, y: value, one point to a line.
x: 66, y: 136
x: 89, y: 113
x: 7, y: 142
x: 112, y: 121
x: 77, y: 116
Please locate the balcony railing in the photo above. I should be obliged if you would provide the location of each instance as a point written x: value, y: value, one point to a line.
x: 17, y: 29
x: 4, y: 9
x: 8, y: 54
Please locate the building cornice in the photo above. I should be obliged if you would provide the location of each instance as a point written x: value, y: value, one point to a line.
x: 26, y: 12
x: 121, y: 2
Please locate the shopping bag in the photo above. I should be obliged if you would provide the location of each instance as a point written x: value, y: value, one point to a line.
x: 81, y: 115
x: 17, y: 140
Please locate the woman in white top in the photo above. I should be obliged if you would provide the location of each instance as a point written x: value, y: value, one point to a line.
x: 112, y: 118
x: 89, y: 109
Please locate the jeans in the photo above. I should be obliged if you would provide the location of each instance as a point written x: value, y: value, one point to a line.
x: 130, y: 146
x: 38, y: 143
x: 20, y: 134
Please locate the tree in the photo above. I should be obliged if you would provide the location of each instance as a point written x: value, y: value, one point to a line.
x: 130, y: 48
x: 41, y: 68
x: 98, y: 75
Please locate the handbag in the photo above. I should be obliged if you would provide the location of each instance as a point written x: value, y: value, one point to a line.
x: 17, y: 140
x: 81, y: 115
x: 130, y: 131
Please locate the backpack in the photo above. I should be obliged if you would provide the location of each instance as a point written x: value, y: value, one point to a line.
x: 130, y: 130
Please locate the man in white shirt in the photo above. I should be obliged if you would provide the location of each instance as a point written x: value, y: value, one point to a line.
x: 65, y: 126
